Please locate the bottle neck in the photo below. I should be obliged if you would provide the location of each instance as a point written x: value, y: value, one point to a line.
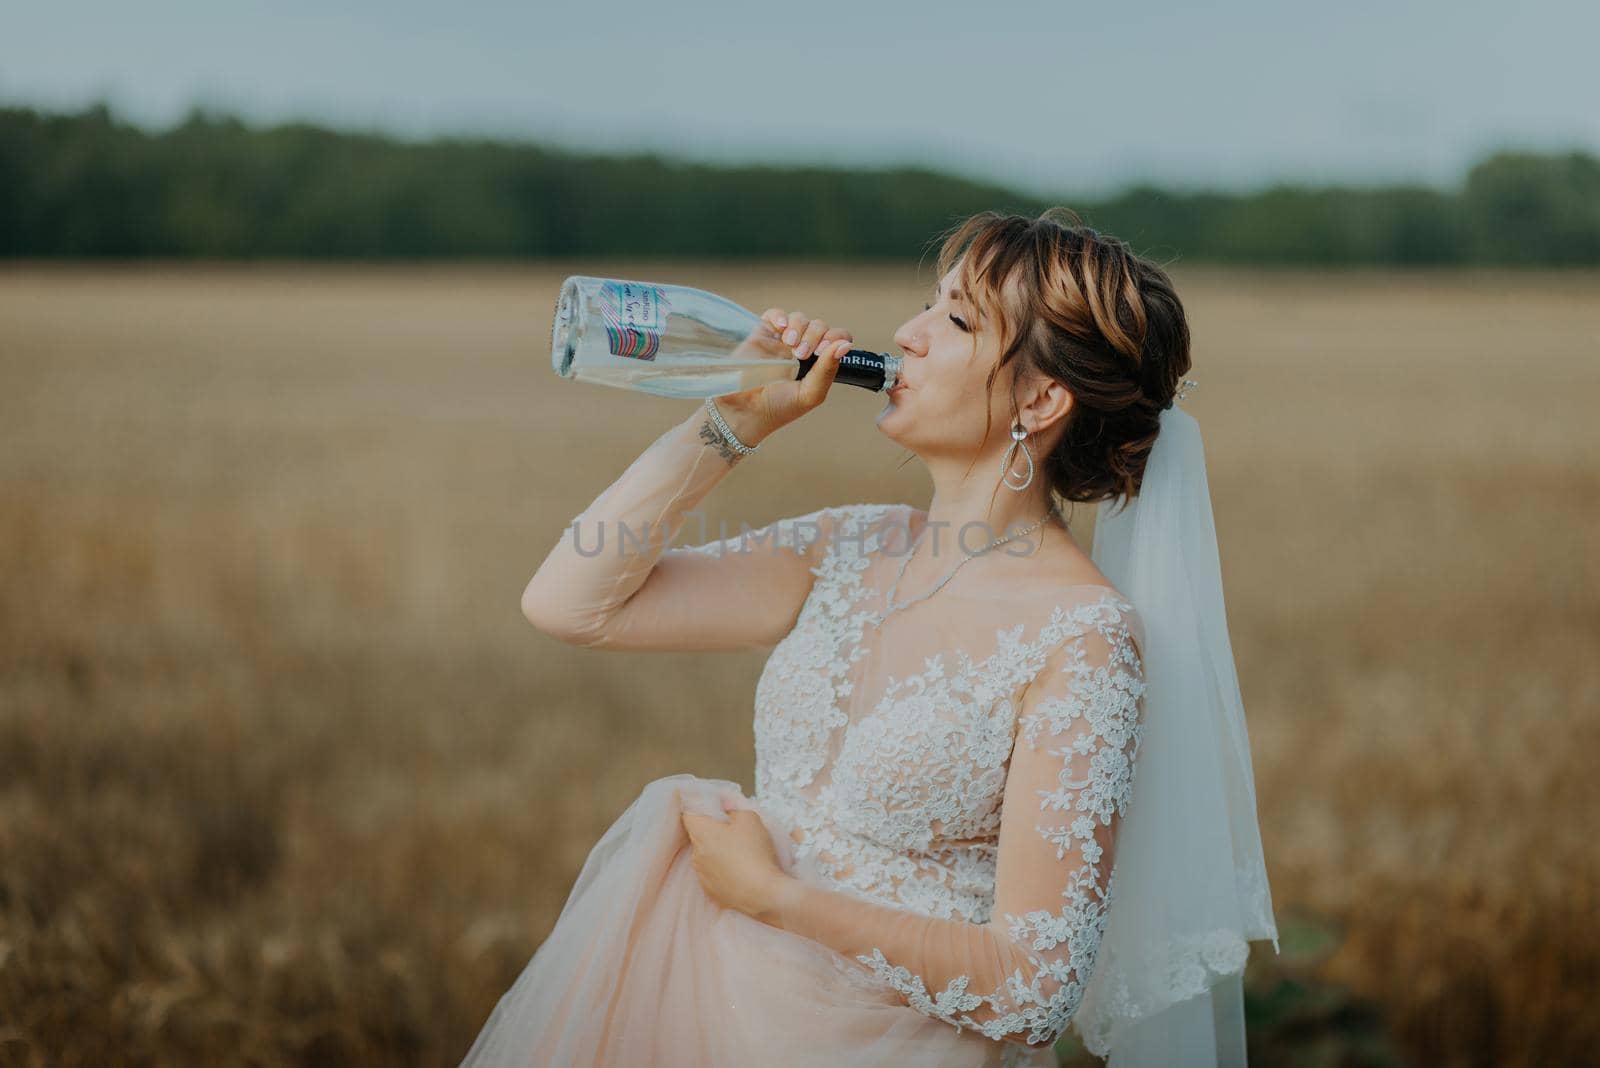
x: 891, y: 370
x: 877, y: 371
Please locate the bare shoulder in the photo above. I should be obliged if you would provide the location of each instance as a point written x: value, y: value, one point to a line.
x: 1063, y: 562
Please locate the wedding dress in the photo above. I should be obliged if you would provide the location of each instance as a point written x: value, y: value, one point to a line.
x: 946, y: 781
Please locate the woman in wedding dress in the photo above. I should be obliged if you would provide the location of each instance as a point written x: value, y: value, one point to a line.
x: 1003, y: 786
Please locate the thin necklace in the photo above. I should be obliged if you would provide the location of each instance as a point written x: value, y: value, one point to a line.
x: 888, y: 599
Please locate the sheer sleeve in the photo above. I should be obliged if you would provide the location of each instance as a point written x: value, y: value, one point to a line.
x: 1020, y: 976
x: 610, y: 582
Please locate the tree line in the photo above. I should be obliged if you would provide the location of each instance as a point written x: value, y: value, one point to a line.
x: 88, y: 184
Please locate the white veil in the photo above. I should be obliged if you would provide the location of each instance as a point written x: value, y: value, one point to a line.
x: 1189, y: 886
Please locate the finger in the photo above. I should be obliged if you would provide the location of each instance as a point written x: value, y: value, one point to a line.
x: 837, y: 338
x: 815, y: 329
x: 775, y: 318
x: 797, y: 325
x: 814, y: 386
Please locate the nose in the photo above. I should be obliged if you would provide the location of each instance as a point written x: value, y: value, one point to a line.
x: 910, y: 338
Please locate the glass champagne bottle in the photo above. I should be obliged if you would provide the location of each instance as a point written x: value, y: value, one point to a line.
x: 678, y: 341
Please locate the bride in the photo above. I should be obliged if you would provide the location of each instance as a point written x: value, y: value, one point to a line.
x: 1003, y: 786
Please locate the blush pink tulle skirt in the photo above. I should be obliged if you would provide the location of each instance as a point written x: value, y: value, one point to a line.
x: 644, y: 969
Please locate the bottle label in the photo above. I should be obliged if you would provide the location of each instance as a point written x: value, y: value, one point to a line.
x: 635, y: 315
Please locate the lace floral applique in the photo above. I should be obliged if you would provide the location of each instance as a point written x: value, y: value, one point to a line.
x: 1088, y: 720
x: 797, y: 697
x: 912, y: 803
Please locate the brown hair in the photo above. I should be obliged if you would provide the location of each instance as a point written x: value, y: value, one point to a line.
x: 1091, y: 314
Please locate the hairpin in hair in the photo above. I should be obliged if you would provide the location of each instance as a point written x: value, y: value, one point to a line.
x: 1184, y: 389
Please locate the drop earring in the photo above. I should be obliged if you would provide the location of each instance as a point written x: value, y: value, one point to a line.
x: 1018, y: 433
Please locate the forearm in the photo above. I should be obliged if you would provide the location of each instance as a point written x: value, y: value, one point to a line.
x: 605, y: 554
x: 952, y: 970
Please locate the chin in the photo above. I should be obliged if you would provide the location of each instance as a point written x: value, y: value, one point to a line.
x: 888, y: 423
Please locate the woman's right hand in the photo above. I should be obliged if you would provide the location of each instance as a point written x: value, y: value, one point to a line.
x: 756, y: 413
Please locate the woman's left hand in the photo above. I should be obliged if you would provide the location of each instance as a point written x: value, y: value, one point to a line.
x: 736, y: 862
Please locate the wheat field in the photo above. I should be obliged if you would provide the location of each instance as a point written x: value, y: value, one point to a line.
x: 285, y: 777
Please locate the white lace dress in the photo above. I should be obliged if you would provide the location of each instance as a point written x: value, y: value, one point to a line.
x: 945, y: 782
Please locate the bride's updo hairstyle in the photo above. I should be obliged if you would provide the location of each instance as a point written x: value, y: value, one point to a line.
x: 1082, y: 308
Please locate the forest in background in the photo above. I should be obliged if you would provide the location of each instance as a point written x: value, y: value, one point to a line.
x: 90, y: 184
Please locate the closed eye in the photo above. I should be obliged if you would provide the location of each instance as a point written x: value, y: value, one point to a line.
x: 953, y: 319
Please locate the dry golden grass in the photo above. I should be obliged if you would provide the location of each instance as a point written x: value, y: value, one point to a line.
x: 287, y: 779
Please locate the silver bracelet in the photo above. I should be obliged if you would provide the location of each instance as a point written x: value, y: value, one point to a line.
x: 728, y: 435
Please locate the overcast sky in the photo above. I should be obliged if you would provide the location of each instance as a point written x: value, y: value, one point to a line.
x: 1051, y: 97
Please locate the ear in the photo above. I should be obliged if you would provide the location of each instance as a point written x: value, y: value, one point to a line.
x: 1042, y: 402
